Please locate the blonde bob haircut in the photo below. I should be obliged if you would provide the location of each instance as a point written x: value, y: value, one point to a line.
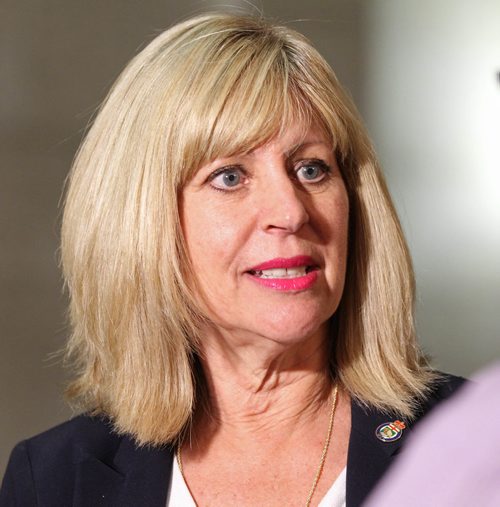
x: 215, y: 85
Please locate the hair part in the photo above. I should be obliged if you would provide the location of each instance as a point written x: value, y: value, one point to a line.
x: 215, y: 85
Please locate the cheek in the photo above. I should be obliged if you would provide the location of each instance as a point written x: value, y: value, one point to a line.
x: 331, y: 218
x: 340, y: 224
x: 210, y: 233
x: 214, y: 241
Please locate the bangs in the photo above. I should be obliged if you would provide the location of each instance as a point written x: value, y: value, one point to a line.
x: 249, y: 90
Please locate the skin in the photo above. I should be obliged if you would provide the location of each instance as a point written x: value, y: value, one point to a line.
x: 265, y: 352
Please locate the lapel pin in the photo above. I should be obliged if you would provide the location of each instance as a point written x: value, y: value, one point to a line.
x: 390, y: 431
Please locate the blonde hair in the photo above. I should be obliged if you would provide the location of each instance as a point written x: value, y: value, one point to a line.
x: 215, y: 85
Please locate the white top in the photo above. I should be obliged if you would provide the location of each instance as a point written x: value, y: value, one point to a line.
x: 179, y: 495
x: 335, y: 496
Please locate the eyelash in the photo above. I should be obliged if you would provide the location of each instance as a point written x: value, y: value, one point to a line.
x: 223, y: 170
x: 303, y: 163
x: 320, y: 163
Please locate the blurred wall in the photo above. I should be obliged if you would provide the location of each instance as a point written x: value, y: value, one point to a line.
x: 424, y: 77
x: 431, y: 98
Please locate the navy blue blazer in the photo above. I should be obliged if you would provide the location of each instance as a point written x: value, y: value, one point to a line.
x: 82, y: 463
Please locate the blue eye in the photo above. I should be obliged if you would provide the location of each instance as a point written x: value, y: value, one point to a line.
x: 226, y: 179
x: 312, y: 171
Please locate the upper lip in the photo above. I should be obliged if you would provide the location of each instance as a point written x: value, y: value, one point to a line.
x: 285, y: 262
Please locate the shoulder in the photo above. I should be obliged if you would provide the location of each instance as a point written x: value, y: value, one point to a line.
x: 445, y: 386
x: 52, y: 456
x: 366, y: 419
x: 83, y: 434
x: 72, y: 441
x: 85, y: 462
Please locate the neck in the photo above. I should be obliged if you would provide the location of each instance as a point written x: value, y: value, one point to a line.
x: 254, y: 390
x: 268, y: 420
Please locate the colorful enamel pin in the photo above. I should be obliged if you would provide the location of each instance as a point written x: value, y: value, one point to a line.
x: 390, y: 431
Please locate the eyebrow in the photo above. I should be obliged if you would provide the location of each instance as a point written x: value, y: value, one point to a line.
x: 294, y: 148
x: 303, y: 145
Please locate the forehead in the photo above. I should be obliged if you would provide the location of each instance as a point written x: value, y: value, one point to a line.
x: 297, y: 137
x: 294, y: 140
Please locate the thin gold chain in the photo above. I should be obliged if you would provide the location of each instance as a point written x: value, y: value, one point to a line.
x: 325, y: 448
x: 321, y: 465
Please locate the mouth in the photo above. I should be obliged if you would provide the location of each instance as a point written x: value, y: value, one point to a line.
x: 295, y: 272
x: 286, y: 274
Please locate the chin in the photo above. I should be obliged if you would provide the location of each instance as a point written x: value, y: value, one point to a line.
x: 292, y: 329
x: 288, y: 323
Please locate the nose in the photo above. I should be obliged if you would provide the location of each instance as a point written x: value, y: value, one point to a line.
x: 283, y: 206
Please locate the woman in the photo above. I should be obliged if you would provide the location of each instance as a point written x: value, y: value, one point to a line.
x: 241, y: 291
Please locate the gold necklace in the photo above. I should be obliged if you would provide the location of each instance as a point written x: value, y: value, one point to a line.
x: 321, y: 465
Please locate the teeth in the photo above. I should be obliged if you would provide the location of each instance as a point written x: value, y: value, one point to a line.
x: 282, y: 272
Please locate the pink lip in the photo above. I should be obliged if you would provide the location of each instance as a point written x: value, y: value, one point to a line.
x: 287, y: 284
x: 280, y: 262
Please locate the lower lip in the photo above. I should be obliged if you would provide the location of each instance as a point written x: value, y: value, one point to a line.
x: 288, y: 284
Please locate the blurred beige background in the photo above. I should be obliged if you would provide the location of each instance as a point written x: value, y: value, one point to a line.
x: 424, y: 75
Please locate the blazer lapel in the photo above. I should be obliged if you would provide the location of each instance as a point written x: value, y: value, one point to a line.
x: 96, y: 483
x: 368, y: 457
x: 131, y: 477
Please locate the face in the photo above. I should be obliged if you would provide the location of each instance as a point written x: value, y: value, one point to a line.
x: 266, y: 233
